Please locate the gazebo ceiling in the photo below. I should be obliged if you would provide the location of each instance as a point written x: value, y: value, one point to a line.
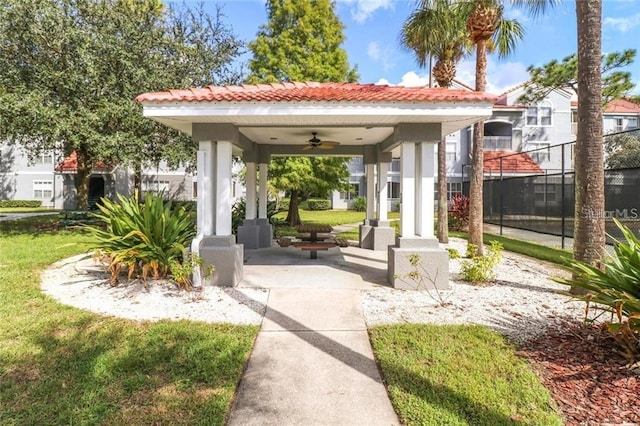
x: 287, y: 113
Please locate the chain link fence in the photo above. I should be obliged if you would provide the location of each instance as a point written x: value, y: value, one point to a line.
x: 535, y: 190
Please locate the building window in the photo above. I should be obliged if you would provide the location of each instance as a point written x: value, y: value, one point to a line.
x: 539, y: 115
x: 156, y: 186
x: 43, y: 189
x: 453, y: 188
x: 393, y: 190
x: 542, y: 151
x: 619, y: 124
x: 632, y: 123
x: 395, y: 165
x: 574, y: 122
x: 354, y: 191
x: 452, y: 156
x: 45, y: 157
x: 544, y: 193
x: 356, y: 160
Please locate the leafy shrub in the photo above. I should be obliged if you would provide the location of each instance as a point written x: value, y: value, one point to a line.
x: 182, y: 272
x: 395, y: 206
x: 614, y: 286
x: 21, y: 203
x: 453, y: 253
x: 319, y: 204
x: 142, y: 239
x: 481, y: 269
x: 187, y: 205
x: 458, y: 214
x: 359, y: 204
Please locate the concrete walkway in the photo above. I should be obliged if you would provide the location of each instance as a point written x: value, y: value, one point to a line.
x: 312, y: 363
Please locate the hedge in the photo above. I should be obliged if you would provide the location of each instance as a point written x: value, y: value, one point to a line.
x: 319, y: 204
x: 21, y: 203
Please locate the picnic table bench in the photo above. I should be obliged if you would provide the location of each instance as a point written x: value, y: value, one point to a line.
x: 314, y: 245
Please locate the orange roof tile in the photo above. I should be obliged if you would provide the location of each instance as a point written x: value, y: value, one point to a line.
x: 70, y: 165
x: 513, y: 162
x: 312, y: 91
x: 622, y: 106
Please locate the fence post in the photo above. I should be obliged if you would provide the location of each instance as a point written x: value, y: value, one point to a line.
x: 501, y: 197
x: 562, y: 196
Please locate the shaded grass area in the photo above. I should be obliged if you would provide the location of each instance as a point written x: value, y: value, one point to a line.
x: 459, y: 375
x: 537, y: 251
x: 61, y: 365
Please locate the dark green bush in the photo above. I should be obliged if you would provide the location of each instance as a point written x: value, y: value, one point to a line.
x: 359, y: 204
x: 283, y: 206
x: 20, y: 203
x: 238, y: 213
x: 145, y: 239
x: 315, y: 204
x: 187, y: 205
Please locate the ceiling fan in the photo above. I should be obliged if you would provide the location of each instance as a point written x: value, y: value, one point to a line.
x: 316, y: 142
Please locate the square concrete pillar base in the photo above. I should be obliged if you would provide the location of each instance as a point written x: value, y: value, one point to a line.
x: 249, y: 234
x: 434, y: 266
x: 376, y: 235
x: 265, y: 233
x: 226, y: 256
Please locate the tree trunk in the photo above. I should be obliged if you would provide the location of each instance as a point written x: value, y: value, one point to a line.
x: 477, y: 162
x: 443, y: 214
x: 293, y: 216
x: 83, y: 177
x: 589, y: 236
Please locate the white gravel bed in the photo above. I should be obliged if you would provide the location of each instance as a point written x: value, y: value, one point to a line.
x: 520, y: 304
x: 80, y: 282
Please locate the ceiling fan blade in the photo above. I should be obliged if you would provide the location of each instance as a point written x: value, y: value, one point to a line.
x: 328, y: 144
x: 308, y: 147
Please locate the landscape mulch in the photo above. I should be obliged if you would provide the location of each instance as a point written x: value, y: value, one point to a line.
x: 591, y: 382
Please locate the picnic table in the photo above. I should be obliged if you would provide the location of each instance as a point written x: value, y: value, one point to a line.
x: 314, y: 245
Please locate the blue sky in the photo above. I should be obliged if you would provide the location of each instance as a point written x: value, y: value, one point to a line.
x: 373, y: 26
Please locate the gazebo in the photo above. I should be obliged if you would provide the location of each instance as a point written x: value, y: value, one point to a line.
x: 375, y: 122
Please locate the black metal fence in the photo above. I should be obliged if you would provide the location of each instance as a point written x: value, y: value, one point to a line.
x: 542, y: 199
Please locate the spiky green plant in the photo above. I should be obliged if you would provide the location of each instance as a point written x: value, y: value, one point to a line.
x: 143, y: 239
x: 615, y: 286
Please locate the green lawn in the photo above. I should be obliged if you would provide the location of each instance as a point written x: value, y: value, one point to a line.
x: 61, y: 365
x: 459, y: 375
x: 27, y: 210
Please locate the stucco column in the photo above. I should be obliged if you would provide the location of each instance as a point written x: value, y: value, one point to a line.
x: 205, y: 190
x: 223, y: 198
x: 371, y: 190
x: 264, y: 175
x: 425, y: 190
x: 407, y: 189
x: 250, y: 211
x: 383, y: 171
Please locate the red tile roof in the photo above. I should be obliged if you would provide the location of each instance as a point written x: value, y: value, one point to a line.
x: 513, y: 162
x: 70, y: 165
x: 311, y: 91
x: 623, y: 106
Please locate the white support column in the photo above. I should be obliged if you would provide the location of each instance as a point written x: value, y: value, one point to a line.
x: 371, y: 191
x: 425, y: 194
x: 418, y: 190
x: 223, y: 199
x: 250, y: 212
x: 383, y: 171
x: 264, y: 175
x: 407, y: 189
x: 205, y: 197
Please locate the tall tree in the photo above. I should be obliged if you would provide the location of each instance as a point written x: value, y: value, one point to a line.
x: 589, y: 237
x: 70, y: 71
x: 301, y: 41
x: 438, y: 29
x: 564, y: 75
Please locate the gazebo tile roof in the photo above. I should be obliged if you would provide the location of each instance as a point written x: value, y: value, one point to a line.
x: 315, y: 92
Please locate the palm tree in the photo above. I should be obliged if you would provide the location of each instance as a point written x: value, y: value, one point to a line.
x: 437, y: 29
x: 589, y: 232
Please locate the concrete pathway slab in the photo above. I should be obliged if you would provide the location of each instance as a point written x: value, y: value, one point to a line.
x: 313, y: 309
x: 312, y: 378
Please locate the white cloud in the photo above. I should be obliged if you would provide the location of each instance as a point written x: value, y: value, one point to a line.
x: 412, y: 79
x: 361, y: 10
x: 373, y: 51
x: 383, y: 82
x: 623, y: 24
x: 382, y: 55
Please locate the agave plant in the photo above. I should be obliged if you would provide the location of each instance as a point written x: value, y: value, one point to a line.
x: 615, y: 286
x: 143, y: 239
